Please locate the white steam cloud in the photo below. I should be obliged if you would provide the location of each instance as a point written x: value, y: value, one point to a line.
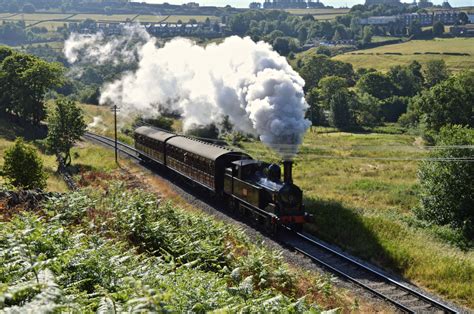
x: 248, y: 82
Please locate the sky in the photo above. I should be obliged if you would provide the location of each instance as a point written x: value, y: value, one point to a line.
x: 334, y: 3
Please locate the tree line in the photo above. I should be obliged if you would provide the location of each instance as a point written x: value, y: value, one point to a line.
x: 25, y: 81
x: 426, y: 96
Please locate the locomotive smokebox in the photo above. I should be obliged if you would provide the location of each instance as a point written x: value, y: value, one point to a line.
x: 288, y: 169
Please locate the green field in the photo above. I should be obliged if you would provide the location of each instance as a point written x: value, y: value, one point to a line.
x: 53, y: 20
x: 414, y: 50
x: 37, y: 16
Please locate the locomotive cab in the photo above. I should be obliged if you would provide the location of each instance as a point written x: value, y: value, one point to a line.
x: 259, y: 184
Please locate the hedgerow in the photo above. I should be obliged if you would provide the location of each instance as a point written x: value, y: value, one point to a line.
x: 130, y: 251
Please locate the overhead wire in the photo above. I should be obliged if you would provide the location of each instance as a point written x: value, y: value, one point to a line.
x: 316, y: 157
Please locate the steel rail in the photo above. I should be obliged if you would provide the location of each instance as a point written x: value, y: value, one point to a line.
x: 430, y: 302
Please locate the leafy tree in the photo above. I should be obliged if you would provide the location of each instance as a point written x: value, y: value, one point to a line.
x: 449, y: 102
x: 23, y: 167
x: 323, y: 50
x: 447, y: 187
x: 315, y: 112
x: 438, y: 28
x: 317, y: 67
x: 435, y: 71
x: 328, y: 87
x: 368, y: 33
x: 414, y: 29
x: 393, y: 107
x: 340, y: 115
x: 367, y: 110
x: 376, y: 84
x: 406, y: 83
x: 282, y: 45
x: 26, y: 79
x: 65, y: 126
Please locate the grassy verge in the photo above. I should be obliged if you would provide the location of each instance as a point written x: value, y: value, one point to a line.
x: 364, y: 205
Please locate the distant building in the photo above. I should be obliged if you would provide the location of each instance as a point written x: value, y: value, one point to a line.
x: 192, y: 5
x: 255, y: 5
x: 464, y: 30
x: 424, y: 4
x: 424, y: 19
x: 285, y: 4
x: 388, y: 2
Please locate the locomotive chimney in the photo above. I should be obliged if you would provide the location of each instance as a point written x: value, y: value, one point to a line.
x: 287, y: 168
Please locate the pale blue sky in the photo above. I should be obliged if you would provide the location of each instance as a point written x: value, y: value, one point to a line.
x: 334, y: 3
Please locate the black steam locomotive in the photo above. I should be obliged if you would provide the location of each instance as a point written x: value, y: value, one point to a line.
x: 251, y: 187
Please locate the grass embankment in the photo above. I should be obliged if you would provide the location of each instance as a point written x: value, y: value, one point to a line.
x: 423, y: 51
x: 364, y: 206
x: 85, y: 155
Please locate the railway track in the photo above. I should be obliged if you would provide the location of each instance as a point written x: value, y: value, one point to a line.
x: 399, y: 294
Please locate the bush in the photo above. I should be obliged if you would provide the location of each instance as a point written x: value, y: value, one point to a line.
x: 394, y: 107
x: 204, y: 132
x: 447, y: 187
x: 159, y: 122
x: 23, y: 167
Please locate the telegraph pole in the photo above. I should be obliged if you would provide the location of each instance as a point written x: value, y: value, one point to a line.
x: 115, y: 109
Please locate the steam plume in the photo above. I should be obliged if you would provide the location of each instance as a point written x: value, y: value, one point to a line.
x: 246, y: 81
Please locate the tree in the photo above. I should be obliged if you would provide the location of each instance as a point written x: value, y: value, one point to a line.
x: 414, y: 29
x: 23, y: 167
x: 367, y: 110
x: 328, y: 87
x: 449, y: 102
x: 447, y: 187
x: 376, y: 84
x: 282, y: 45
x: 319, y: 66
x: 65, y: 126
x: 29, y: 8
x: 393, y: 107
x: 438, y: 28
x: 26, y: 79
x: 368, y: 33
x: 435, y: 71
x: 315, y: 112
x: 406, y: 83
x: 340, y: 115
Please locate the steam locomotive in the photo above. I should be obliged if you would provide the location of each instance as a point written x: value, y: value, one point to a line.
x: 252, y: 188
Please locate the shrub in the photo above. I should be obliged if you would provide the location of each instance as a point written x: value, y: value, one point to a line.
x: 159, y: 122
x: 205, y: 132
x: 447, y: 187
x: 23, y: 167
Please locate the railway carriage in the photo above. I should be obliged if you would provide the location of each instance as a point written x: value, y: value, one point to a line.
x: 253, y: 188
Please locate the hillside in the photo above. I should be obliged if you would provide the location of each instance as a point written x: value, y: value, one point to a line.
x: 382, y: 58
x: 364, y: 203
x: 126, y: 241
